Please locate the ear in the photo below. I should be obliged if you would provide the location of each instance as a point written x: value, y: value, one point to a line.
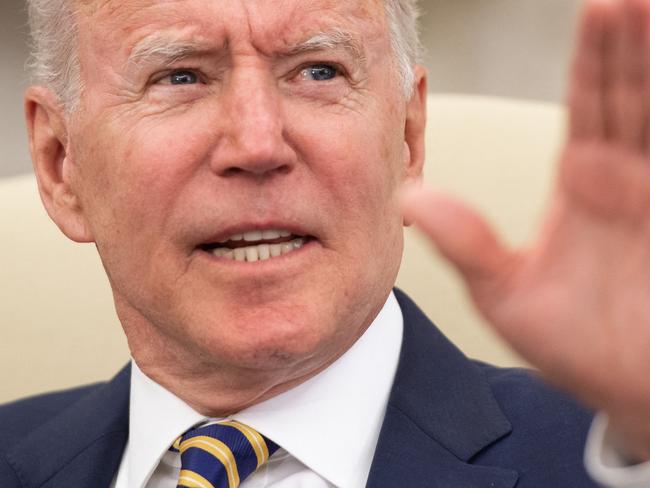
x: 47, y: 126
x: 416, y: 118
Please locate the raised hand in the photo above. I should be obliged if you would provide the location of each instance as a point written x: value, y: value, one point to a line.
x: 576, y: 301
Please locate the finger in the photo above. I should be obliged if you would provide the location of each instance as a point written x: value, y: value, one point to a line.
x: 587, y: 84
x: 459, y: 233
x: 626, y: 76
x: 644, y: 15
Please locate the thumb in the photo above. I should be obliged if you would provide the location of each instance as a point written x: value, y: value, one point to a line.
x: 460, y: 234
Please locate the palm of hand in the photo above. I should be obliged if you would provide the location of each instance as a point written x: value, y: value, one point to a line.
x: 576, y: 302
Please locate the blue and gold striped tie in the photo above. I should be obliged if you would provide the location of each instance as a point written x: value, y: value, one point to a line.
x: 221, y: 454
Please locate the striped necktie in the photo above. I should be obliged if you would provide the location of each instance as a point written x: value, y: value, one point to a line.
x: 221, y: 454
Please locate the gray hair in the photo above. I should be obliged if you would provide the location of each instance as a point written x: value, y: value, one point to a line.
x: 54, y: 60
x: 402, y: 17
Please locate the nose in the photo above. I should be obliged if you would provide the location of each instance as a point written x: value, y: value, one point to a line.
x: 254, y: 138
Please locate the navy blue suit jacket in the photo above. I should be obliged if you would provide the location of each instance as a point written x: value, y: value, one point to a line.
x: 450, y: 423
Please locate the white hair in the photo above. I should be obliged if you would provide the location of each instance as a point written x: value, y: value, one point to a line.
x: 402, y: 18
x: 54, y: 59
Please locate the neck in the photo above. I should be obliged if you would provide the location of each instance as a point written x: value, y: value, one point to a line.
x: 211, y: 386
x: 214, y: 393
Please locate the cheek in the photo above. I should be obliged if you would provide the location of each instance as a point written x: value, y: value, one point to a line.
x: 137, y: 174
x: 364, y: 173
x: 132, y: 189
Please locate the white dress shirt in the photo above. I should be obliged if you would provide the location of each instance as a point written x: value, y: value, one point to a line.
x: 607, y: 465
x: 327, y: 427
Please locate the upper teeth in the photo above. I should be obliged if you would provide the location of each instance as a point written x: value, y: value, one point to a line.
x: 258, y: 235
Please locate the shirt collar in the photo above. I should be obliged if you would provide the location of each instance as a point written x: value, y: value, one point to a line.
x: 156, y: 418
x: 330, y: 423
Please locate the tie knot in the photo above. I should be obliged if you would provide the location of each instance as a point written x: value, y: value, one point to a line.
x: 221, y: 454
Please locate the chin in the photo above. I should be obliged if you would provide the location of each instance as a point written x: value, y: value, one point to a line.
x: 268, y: 338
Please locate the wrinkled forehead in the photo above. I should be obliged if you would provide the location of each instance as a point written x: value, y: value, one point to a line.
x: 368, y: 8
x: 270, y: 25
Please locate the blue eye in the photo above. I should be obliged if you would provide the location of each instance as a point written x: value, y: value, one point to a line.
x: 183, y: 78
x: 319, y: 72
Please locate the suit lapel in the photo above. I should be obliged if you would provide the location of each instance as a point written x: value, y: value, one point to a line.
x: 440, y: 413
x: 80, y: 447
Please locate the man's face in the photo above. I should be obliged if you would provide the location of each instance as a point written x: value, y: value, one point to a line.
x: 202, y: 120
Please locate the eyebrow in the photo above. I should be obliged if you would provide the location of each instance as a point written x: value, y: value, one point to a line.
x: 330, y: 40
x: 164, y: 49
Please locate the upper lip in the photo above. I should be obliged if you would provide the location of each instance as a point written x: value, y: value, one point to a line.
x: 241, y: 228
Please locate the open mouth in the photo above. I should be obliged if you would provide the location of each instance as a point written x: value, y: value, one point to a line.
x: 257, y: 245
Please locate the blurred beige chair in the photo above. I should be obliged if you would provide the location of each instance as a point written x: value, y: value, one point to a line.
x: 58, y: 326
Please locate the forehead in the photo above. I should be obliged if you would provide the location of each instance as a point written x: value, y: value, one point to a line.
x: 265, y: 22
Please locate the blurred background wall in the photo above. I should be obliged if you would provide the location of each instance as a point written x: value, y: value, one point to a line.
x: 512, y: 48
x: 14, y: 157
